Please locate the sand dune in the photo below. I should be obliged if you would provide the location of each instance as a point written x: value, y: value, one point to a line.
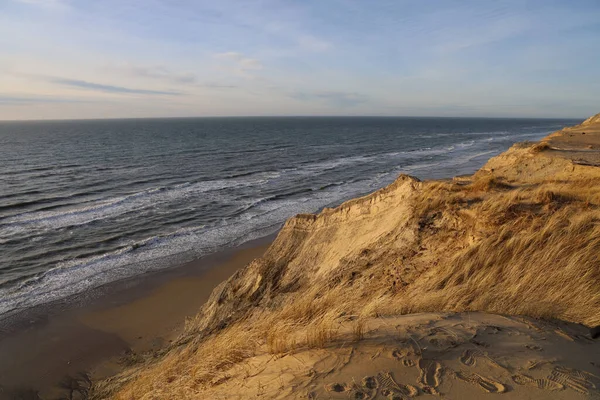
x: 474, y: 355
x: 323, y: 314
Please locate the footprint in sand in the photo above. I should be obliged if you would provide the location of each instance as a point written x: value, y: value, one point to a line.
x: 370, y: 382
x: 430, y: 375
x: 394, y: 390
x: 468, y: 357
x: 360, y: 395
x: 336, y: 387
x: 487, y: 384
x: 392, y: 394
x: 402, y: 354
x: 542, y: 383
x: 407, y: 362
x: 399, y: 354
x: 572, y: 379
x: 442, y: 338
x: 355, y: 390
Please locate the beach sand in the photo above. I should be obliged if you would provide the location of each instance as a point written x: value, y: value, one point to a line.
x: 120, y: 322
x: 428, y: 355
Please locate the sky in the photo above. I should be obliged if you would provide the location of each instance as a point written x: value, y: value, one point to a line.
x: 65, y: 59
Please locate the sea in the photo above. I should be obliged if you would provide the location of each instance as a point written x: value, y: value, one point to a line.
x: 86, y: 203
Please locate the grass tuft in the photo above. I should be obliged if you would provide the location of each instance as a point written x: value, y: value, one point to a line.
x: 359, y: 329
x: 539, y: 147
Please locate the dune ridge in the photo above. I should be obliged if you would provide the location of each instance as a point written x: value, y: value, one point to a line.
x: 520, y: 238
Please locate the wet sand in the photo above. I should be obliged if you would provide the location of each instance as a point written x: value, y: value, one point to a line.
x: 93, y: 332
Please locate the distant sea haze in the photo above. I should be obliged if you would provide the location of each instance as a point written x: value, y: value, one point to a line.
x: 84, y: 203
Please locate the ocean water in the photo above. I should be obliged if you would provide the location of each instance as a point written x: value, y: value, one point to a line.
x: 84, y: 203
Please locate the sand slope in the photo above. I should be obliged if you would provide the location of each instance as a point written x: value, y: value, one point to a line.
x: 474, y: 356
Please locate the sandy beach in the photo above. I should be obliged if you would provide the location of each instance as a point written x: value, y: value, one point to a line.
x: 101, y: 334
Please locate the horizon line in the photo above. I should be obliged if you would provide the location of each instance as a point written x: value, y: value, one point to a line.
x: 281, y: 116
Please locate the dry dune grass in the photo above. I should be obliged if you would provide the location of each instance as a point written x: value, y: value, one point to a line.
x: 503, y: 243
x: 517, y: 250
x: 319, y: 334
x: 539, y: 147
x: 281, y: 338
x: 488, y: 183
x: 359, y: 329
x: 184, y: 372
x: 543, y: 242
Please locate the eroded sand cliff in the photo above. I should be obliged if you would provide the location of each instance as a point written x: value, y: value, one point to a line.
x: 520, y: 237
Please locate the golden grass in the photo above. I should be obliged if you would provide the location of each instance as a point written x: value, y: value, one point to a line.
x: 539, y: 147
x: 487, y: 183
x: 542, y: 242
x: 281, y: 338
x: 359, y: 329
x: 312, y: 305
x: 183, y: 373
x: 320, y: 334
x: 310, y: 321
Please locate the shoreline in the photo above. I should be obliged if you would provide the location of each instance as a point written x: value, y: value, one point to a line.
x: 94, y: 332
x: 93, y: 244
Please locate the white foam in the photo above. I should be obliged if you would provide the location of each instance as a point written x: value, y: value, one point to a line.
x: 114, y: 207
x: 156, y: 252
x: 333, y: 164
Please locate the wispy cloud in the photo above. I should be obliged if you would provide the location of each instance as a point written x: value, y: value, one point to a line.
x: 110, y: 88
x: 26, y: 100
x: 162, y: 73
x: 166, y: 75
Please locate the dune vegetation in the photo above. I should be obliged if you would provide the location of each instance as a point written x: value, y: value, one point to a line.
x: 520, y: 237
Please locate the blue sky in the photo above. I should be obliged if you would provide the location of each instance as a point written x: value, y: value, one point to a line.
x: 160, y: 58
